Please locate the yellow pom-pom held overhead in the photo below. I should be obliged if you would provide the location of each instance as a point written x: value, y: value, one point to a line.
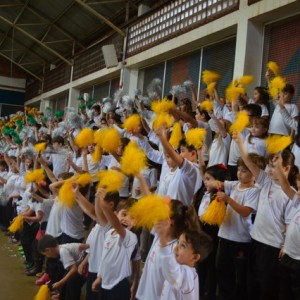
x: 211, y: 89
x: 40, y: 147
x: 111, y: 180
x: 66, y: 196
x: 163, y: 106
x: 233, y: 92
x: 132, y: 123
x: 207, y: 105
x: 176, y: 135
x: 96, y: 155
x: 163, y: 120
x: 273, y: 66
x: 241, y: 122
x: 209, y: 77
x: 36, y: 176
x: 17, y: 224
x: 133, y: 160
x: 111, y: 140
x: 215, y: 213
x: 245, y: 80
x: 276, y: 85
x: 195, y: 137
x: 85, y: 137
x: 149, y: 210
x: 84, y: 179
x: 276, y: 143
x: 43, y: 293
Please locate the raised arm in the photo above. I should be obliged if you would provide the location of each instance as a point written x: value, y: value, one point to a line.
x: 184, y: 116
x: 46, y: 168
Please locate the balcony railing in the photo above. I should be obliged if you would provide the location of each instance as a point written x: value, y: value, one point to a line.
x: 174, y: 19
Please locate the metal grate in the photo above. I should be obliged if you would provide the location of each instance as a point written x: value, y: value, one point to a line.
x: 57, y: 77
x: 282, y: 45
x: 174, y: 19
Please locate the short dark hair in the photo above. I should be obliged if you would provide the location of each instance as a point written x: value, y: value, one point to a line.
x: 253, y: 109
x: 65, y: 175
x: 125, y: 204
x: 113, y: 197
x: 183, y: 143
x: 200, y: 241
x: 46, y: 241
x: 58, y: 139
x: 289, y: 88
x: 97, y: 108
x: 259, y: 160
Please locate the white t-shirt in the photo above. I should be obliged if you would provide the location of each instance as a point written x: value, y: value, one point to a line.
x: 208, y: 138
x: 109, y: 161
x: 204, y: 204
x: 275, y: 211
x: 152, y: 280
x: 296, y: 152
x: 59, y: 162
x: 72, y: 221
x: 181, y: 281
x: 257, y: 145
x: 234, y: 151
x: 53, y: 226
x: 185, y: 183
x: 165, y: 182
x: 235, y: 227
x: 42, y: 207
x: 292, y: 240
x: 116, y: 258
x: 96, y: 241
x: 219, y: 150
x: 150, y: 176
x: 264, y: 109
x: 277, y: 125
x: 69, y: 254
x: 228, y: 115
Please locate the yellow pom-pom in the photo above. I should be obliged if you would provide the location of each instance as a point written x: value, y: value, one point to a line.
x: 241, y: 122
x: 84, y: 179
x: 40, y: 147
x: 246, y: 80
x: 176, y: 135
x: 276, y: 143
x: 209, y: 77
x: 207, y: 105
x: 273, y: 66
x: 85, y: 137
x: 211, y: 89
x: 163, y: 120
x: 149, y: 210
x: 17, y: 224
x: 99, y: 136
x: 233, y: 92
x: 195, y: 137
x: 66, y: 196
x: 132, y: 123
x: 96, y: 155
x: 276, y: 85
x: 111, y: 140
x: 134, y: 159
x: 36, y: 176
x: 163, y: 106
x: 215, y: 213
x: 111, y: 180
x: 43, y: 293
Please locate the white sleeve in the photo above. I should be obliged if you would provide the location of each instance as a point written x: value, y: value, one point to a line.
x: 288, y: 119
x: 66, y: 258
x: 153, y: 177
x: 105, y: 160
x: 153, y: 138
x: 154, y: 155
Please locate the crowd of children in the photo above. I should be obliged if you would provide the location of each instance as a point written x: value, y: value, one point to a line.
x: 253, y: 254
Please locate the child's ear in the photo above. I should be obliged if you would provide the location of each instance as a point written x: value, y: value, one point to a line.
x: 196, y: 257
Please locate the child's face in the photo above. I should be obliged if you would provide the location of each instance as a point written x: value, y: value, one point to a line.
x: 287, y: 97
x: 2, y: 168
x: 184, y: 253
x: 244, y: 175
x: 120, y: 150
x: 171, y: 164
x: 208, y: 182
x: 185, y: 153
x: 258, y: 130
x: 51, y: 252
x: 228, y: 105
x: 91, y: 148
x: 125, y: 219
x: 27, y: 163
x: 56, y: 145
x: 256, y: 95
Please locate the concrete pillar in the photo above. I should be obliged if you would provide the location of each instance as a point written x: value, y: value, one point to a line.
x: 130, y: 81
x: 44, y: 104
x: 249, y: 51
x: 73, y: 95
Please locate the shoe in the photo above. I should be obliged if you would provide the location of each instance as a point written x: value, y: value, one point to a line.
x: 39, y: 274
x: 44, y: 279
x: 20, y: 249
x: 55, y: 297
x: 31, y: 272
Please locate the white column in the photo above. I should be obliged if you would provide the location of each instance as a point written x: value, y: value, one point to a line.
x: 130, y: 81
x: 44, y: 104
x: 73, y: 95
x: 249, y: 51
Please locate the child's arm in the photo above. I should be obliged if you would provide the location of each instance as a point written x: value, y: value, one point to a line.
x: 110, y: 214
x: 201, y: 163
x: 184, y: 116
x: 220, y: 126
x: 253, y: 168
x: 161, y: 133
x: 72, y: 270
x: 87, y: 207
x: 101, y: 218
x: 145, y: 188
x: 82, y: 268
x: 242, y: 210
x: 85, y: 166
x: 283, y: 181
x: 134, y: 278
x: 48, y: 171
x: 37, y: 218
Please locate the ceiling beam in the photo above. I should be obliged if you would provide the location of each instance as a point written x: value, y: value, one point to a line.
x: 100, y: 17
x: 21, y: 67
x: 36, y: 40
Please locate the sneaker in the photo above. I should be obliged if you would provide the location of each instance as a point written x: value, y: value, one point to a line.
x: 44, y: 279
